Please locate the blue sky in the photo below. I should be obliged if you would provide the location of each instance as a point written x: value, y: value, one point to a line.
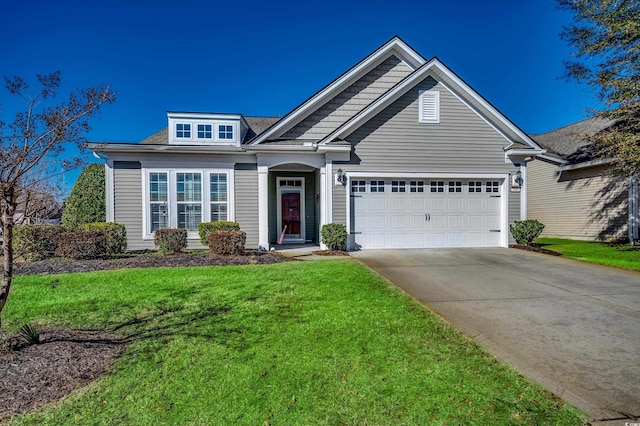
x: 265, y: 58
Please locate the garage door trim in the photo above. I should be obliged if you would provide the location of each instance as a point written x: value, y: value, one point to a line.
x: 502, y: 177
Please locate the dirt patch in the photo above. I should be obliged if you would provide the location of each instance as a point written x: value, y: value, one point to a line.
x: 535, y: 248
x: 65, y: 360
x: 144, y: 260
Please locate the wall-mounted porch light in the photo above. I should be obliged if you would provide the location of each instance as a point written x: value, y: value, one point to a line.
x: 517, y: 179
x: 341, y: 177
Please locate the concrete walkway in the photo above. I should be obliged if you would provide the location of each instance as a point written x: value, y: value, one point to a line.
x: 570, y: 326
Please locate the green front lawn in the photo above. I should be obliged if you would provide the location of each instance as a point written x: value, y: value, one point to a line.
x: 293, y: 343
x: 618, y: 255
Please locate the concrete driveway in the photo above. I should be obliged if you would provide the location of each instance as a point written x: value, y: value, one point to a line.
x: 570, y: 326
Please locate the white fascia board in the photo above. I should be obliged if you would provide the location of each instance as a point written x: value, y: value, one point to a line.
x: 108, y: 148
x: 394, y: 46
x: 476, y: 96
x: 413, y: 79
x: 524, y: 152
x: 552, y: 158
x: 203, y: 115
x: 594, y: 163
x: 281, y: 148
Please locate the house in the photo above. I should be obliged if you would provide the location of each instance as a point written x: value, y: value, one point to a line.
x: 574, y: 193
x: 398, y: 148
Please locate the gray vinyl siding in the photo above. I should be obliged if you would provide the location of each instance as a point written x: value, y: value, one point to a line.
x: 350, y: 101
x: 311, y: 220
x: 127, y: 187
x: 393, y: 140
x: 339, y: 212
x: 246, y: 201
x: 583, y: 204
x: 513, y: 209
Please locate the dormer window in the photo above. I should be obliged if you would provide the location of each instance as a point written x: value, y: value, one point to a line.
x: 183, y: 130
x: 225, y: 132
x: 204, y: 131
x: 201, y: 128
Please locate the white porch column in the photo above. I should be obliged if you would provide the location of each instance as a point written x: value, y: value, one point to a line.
x: 263, y: 207
x: 324, y: 200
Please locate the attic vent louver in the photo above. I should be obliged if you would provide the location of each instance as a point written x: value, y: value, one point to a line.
x: 429, y: 106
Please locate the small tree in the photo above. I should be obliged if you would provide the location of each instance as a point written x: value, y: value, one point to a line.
x: 86, y: 204
x: 606, y: 37
x: 32, y: 144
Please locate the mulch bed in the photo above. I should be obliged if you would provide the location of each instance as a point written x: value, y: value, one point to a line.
x: 144, y: 260
x: 32, y: 376
x: 330, y: 253
x: 535, y: 248
x: 65, y: 360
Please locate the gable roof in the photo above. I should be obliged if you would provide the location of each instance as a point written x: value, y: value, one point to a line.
x: 394, y: 47
x: 453, y: 83
x: 570, y: 142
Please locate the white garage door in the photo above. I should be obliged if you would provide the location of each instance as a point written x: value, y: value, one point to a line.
x: 389, y: 213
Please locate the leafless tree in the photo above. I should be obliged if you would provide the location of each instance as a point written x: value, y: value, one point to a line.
x: 32, y: 148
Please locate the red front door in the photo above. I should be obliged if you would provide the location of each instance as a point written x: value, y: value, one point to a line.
x: 291, y: 213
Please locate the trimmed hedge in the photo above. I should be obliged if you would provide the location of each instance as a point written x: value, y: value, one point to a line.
x: 334, y: 236
x: 526, y: 231
x: 170, y: 240
x: 36, y: 242
x: 205, y: 228
x: 227, y: 242
x: 115, y: 234
x: 82, y: 245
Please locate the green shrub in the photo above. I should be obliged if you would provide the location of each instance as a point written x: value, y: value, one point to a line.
x: 86, y: 203
x: 526, y: 231
x: 170, y: 240
x: 334, y: 236
x: 82, y: 245
x: 227, y: 242
x: 205, y: 228
x: 115, y: 234
x: 36, y: 242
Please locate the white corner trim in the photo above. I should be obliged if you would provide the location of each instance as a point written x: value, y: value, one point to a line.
x: 110, y: 212
x: 634, y: 210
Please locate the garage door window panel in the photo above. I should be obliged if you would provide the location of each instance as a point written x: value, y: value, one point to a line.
x: 398, y: 186
x: 358, y: 186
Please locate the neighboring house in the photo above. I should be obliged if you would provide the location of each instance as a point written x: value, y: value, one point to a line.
x: 399, y: 149
x: 575, y: 194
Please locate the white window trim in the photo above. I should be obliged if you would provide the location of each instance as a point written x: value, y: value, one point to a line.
x: 172, y: 197
x: 435, y: 119
x: 215, y: 135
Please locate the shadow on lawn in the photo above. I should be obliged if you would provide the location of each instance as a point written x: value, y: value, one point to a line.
x: 210, y: 323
